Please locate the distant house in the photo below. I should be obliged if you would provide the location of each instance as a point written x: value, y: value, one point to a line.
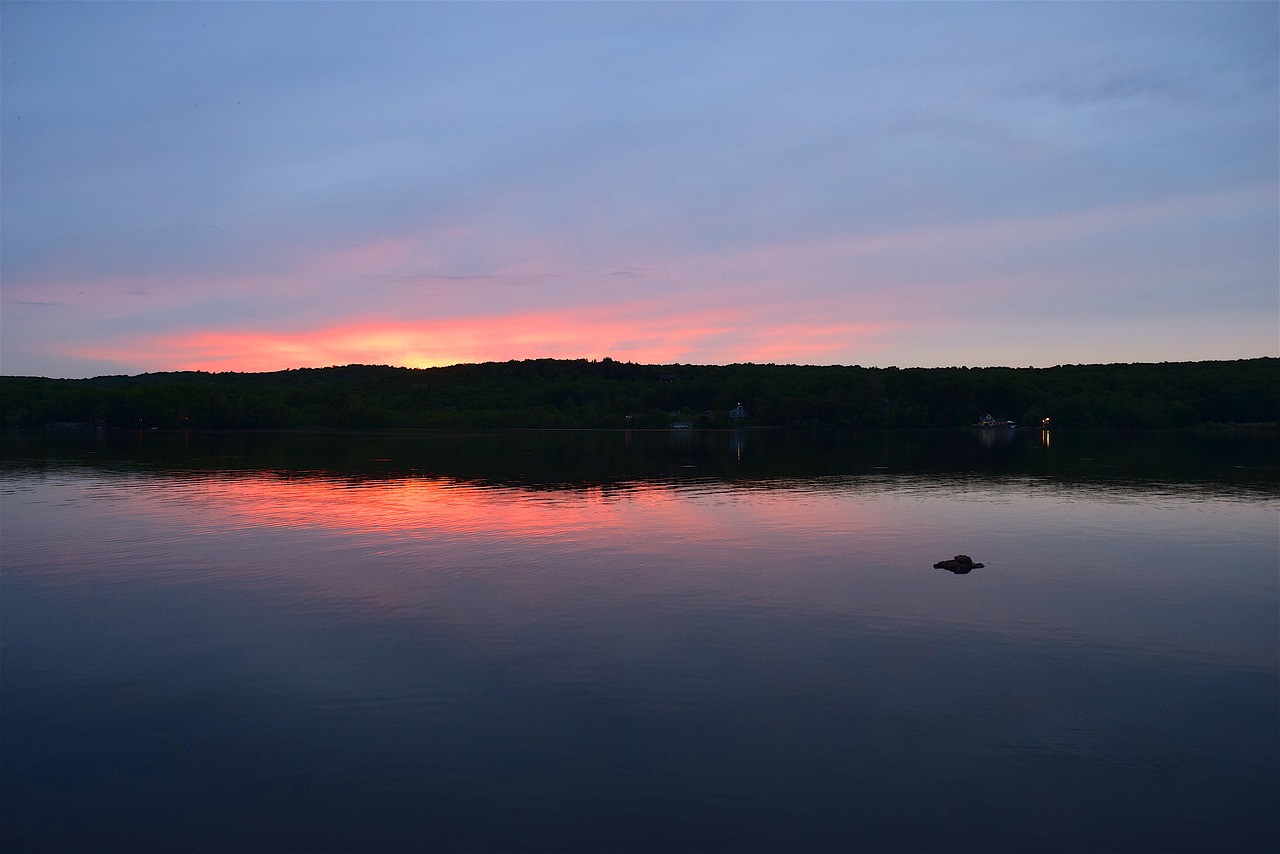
x: 737, y: 413
x: 990, y: 423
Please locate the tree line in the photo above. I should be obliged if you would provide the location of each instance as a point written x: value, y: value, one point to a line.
x: 607, y: 393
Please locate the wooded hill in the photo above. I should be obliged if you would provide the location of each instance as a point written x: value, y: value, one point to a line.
x: 608, y: 393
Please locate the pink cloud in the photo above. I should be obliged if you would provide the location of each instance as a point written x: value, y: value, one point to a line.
x: 910, y: 297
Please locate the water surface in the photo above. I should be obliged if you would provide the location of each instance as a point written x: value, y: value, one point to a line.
x: 640, y: 641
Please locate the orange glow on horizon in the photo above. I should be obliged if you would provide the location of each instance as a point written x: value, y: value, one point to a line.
x: 706, y: 337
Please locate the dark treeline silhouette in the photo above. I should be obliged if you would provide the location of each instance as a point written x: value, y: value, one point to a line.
x: 608, y: 393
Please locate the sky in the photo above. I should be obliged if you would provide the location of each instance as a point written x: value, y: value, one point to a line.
x: 262, y: 186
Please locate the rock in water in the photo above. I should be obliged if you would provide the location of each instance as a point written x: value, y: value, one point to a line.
x: 960, y: 564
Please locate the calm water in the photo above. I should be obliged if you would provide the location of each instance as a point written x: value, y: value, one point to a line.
x: 640, y: 641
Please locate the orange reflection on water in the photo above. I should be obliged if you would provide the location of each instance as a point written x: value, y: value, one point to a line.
x: 420, y: 507
x: 392, y: 545
x: 501, y: 559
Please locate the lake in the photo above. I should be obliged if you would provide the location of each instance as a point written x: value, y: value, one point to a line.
x: 640, y: 641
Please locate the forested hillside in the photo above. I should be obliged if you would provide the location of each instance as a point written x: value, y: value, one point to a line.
x: 607, y: 393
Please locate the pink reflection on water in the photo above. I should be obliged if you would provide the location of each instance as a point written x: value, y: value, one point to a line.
x: 644, y: 516
x: 1059, y: 565
x: 396, y: 544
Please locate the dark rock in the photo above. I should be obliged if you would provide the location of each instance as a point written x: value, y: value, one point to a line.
x: 960, y: 564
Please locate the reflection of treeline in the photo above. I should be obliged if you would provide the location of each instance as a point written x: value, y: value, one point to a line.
x: 607, y: 393
x: 1185, y: 462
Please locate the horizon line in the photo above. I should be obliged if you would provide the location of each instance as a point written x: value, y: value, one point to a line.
x: 610, y: 359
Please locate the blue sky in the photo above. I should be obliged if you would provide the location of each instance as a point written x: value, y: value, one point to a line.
x: 260, y: 186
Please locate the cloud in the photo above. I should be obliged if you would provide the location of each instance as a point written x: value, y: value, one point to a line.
x: 188, y: 172
x: 859, y: 298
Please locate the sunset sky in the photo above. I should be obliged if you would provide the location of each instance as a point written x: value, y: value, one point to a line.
x: 259, y: 186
